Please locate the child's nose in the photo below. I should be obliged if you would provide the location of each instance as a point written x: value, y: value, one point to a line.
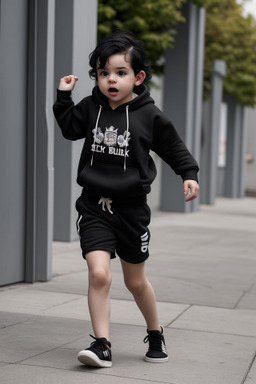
x: 112, y: 78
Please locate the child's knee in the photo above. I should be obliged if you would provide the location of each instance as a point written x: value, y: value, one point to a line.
x: 135, y: 286
x: 100, y: 277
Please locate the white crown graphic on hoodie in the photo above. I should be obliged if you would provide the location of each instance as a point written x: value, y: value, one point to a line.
x: 110, y: 138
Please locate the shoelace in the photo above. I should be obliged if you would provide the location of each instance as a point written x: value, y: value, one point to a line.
x: 105, y: 203
x: 155, y: 341
x: 100, y: 345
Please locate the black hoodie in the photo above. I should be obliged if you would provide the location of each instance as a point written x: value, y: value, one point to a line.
x: 115, y: 160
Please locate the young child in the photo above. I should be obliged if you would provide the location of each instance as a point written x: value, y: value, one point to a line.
x: 120, y: 125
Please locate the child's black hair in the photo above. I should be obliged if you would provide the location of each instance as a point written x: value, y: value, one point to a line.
x: 119, y: 42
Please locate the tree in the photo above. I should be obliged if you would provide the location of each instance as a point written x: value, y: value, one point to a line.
x: 231, y: 37
x: 152, y: 21
x: 202, y: 3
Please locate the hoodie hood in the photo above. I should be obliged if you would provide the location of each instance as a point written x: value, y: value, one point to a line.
x: 143, y: 98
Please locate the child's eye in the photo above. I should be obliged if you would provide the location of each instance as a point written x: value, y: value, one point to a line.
x: 103, y: 73
x: 121, y: 73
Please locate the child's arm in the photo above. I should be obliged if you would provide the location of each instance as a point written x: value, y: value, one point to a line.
x: 169, y: 146
x: 70, y: 117
x: 191, y: 189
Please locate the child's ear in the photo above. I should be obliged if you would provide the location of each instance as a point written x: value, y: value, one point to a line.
x: 140, y: 77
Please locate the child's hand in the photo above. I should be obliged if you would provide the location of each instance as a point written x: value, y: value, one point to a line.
x: 191, y: 189
x: 67, y: 83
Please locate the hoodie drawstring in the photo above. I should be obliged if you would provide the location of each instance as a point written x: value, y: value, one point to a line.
x: 105, y: 203
x: 127, y: 134
x: 95, y: 132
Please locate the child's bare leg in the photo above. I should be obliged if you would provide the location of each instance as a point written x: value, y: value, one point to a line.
x: 98, y: 292
x: 143, y: 293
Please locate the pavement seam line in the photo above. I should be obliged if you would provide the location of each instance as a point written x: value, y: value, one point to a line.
x: 179, y: 315
x: 48, y: 350
x: 249, y: 368
x: 242, y: 296
x: 213, y: 332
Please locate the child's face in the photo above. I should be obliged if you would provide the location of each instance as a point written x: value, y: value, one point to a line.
x: 117, y: 80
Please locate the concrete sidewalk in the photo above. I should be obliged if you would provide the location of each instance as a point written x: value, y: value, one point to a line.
x: 203, y: 269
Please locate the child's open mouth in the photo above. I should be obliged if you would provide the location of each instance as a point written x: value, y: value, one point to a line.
x: 112, y: 91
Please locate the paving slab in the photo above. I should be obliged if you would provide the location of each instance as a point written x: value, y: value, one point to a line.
x: 207, y: 319
x: 26, y: 299
x: 248, y: 301
x: 36, y: 336
x: 67, y: 258
x: 123, y: 312
x: 185, y: 290
x: 227, y: 214
x: 74, y: 282
x: 8, y: 319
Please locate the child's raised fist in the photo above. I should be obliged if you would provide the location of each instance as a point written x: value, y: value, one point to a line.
x: 67, y: 83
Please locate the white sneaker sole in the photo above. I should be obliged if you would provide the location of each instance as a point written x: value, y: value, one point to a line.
x: 89, y: 358
x: 154, y: 360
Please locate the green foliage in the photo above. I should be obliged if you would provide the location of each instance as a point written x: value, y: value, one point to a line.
x: 231, y: 37
x: 152, y: 21
x: 201, y: 3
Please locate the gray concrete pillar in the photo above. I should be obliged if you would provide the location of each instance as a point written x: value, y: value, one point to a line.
x: 40, y: 141
x: 183, y: 87
x: 75, y: 38
x: 250, y: 151
x: 210, y: 148
x: 13, y: 69
x: 243, y: 150
x: 236, y: 150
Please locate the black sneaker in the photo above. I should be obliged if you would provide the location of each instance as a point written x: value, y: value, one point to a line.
x: 157, y: 352
x: 98, y: 354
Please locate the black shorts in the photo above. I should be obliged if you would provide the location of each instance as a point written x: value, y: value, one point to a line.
x: 123, y: 233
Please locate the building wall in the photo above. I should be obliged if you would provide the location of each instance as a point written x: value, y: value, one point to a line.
x: 13, y: 68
